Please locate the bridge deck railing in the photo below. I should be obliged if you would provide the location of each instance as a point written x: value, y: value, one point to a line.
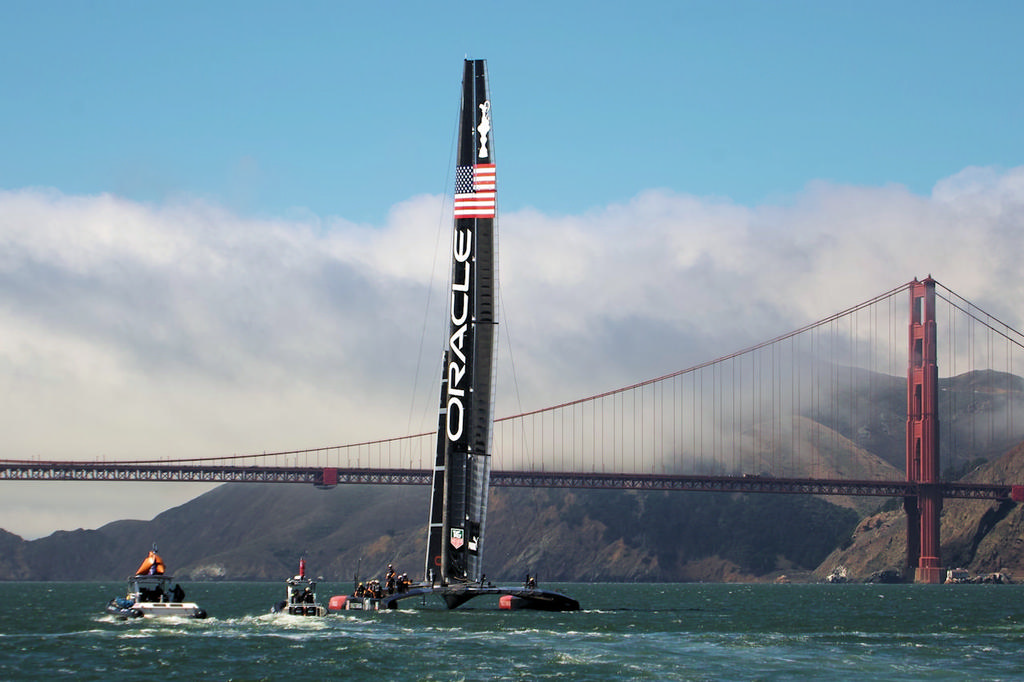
x: 327, y: 477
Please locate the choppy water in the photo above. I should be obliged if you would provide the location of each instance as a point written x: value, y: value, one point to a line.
x: 645, y: 632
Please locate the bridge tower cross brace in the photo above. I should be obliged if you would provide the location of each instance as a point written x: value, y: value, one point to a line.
x: 924, y: 509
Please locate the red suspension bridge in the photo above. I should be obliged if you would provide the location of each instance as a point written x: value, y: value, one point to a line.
x: 848, y: 405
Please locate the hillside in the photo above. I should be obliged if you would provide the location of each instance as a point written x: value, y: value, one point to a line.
x: 982, y: 536
x: 976, y: 415
x: 258, y: 531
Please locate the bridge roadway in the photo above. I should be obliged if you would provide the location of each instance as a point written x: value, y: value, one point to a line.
x: 328, y: 477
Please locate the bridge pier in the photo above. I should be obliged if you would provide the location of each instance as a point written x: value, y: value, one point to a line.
x: 923, y: 510
x: 913, y: 533
x: 929, y: 569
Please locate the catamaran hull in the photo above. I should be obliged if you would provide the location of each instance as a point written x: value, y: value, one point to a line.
x: 123, y: 612
x: 299, y: 609
x: 155, y: 610
x: 540, y: 601
x: 511, y: 598
x: 343, y: 602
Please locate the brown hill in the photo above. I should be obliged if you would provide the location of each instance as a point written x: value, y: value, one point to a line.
x: 982, y: 536
x: 254, y: 531
x: 980, y: 413
x: 812, y: 450
x: 259, y: 531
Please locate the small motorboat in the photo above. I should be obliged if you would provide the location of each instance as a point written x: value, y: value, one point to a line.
x: 300, y: 596
x: 150, y: 594
x: 365, y: 597
x: 374, y: 595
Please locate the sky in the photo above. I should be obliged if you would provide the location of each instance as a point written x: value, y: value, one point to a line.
x: 224, y: 225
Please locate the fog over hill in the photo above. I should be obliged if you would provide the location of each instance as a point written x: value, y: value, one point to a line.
x: 259, y: 531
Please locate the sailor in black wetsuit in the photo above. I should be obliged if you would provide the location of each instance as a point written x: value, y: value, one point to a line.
x: 389, y: 580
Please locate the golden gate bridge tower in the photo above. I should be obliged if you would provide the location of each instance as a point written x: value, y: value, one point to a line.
x: 924, y: 509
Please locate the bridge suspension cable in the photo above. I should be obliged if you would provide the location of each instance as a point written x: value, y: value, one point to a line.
x: 825, y: 401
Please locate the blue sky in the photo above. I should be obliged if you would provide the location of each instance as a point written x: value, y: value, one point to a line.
x: 224, y: 224
x: 344, y: 109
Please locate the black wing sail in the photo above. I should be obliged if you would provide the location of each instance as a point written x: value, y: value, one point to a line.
x: 458, y: 505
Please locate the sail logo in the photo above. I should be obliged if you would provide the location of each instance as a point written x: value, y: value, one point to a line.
x: 455, y: 415
x: 457, y: 538
x: 475, y: 195
x: 484, y: 128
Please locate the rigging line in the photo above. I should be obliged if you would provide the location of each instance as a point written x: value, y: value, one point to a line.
x: 441, y: 222
x: 511, y: 357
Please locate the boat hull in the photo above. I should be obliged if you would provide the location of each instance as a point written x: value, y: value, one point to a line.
x: 300, y: 609
x: 345, y: 602
x: 151, y: 596
x: 123, y: 612
x: 155, y: 610
x: 511, y: 598
x: 538, y: 601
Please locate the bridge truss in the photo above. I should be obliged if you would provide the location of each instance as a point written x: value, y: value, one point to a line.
x: 329, y: 477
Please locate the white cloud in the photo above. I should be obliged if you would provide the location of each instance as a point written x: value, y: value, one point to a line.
x: 133, y: 330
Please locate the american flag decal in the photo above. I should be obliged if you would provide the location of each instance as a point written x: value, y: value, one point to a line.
x: 474, y: 191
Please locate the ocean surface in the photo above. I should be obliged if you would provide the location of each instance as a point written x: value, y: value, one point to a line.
x: 57, y: 631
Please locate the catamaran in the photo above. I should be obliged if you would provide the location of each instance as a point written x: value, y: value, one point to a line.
x: 458, y: 500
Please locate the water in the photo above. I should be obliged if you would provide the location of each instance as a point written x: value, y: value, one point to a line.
x: 645, y: 632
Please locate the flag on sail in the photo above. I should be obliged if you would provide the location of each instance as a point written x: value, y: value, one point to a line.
x: 475, y: 191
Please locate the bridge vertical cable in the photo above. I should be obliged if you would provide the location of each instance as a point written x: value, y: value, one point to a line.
x: 798, y: 405
x: 789, y: 406
x: 979, y: 393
